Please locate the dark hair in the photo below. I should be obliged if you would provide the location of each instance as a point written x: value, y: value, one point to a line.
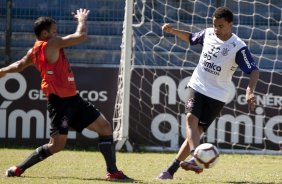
x: 42, y: 23
x: 223, y: 12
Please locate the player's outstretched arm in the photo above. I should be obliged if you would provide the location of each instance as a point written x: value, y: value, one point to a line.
x: 18, y: 65
x: 183, y: 35
x: 79, y: 36
x: 250, y: 96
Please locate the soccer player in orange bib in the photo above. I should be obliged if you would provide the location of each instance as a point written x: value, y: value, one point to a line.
x: 66, y: 108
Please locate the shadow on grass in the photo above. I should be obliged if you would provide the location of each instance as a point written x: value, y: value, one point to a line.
x: 130, y: 180
x: 248, y: 182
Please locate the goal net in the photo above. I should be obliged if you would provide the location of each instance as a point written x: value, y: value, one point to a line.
x: 156, y: 67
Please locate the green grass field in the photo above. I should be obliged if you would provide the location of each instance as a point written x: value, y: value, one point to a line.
x: 84, y: 167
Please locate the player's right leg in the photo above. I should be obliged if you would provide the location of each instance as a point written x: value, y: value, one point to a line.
x: 182, y: 154
x: 193, y: 109
x: 55, y: 145
x: 61, y: 113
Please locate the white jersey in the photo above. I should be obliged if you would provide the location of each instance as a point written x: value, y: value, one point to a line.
x: 217, y: 64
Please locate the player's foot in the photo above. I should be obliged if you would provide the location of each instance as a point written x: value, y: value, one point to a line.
x: 165, y: 175
x: 119, y: 175
x: 14, y: 171
x: 191, y: 166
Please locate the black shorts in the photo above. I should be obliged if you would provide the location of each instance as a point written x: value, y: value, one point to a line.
x: 70, y: 112
x: 206, y: 109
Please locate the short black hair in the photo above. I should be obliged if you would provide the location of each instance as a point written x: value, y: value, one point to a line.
x: 42, y: 23
x: 223, y: 12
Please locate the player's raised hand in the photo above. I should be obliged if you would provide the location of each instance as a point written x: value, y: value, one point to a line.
x: 167, y: 28
x: 81, y: 14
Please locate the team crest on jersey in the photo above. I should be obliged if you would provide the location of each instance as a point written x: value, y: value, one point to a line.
x: 225, y: 51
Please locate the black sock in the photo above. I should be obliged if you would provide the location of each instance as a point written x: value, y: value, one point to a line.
x: 108, y: 150
x: 38, y: 155
x: 173, y: 167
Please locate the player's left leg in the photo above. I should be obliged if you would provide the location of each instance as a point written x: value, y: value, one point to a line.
x: 88, y: 116
x: 193, y: 138
x: 107, y: 146
x: 210, y: 111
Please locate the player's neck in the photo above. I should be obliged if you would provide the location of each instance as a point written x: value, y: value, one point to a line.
x: 226, y: 37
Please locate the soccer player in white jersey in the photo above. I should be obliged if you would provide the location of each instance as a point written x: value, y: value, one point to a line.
x: 222, y: 53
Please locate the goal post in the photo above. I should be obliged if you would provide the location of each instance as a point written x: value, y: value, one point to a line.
x: 155, y: 68
x: 121, y: 114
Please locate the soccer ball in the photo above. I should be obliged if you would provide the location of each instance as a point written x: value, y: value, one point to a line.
x: 206, y: 155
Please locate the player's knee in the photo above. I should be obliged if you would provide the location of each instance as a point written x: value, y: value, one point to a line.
x: 55, y: 148
x: 191, y: 120
x: 107, y: 128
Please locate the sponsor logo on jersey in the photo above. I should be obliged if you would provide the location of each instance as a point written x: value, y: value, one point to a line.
x: 245, y: 58
x: 50, y: 72
x: 70, y: 78
x: 233, y: 44
x: 211, y: 68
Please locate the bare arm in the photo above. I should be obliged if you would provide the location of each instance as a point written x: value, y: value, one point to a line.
x: 56, y: 43
x: 79, y: 36
x: 250, y: 97
x: 183, y: 35
x: 17, y: 66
